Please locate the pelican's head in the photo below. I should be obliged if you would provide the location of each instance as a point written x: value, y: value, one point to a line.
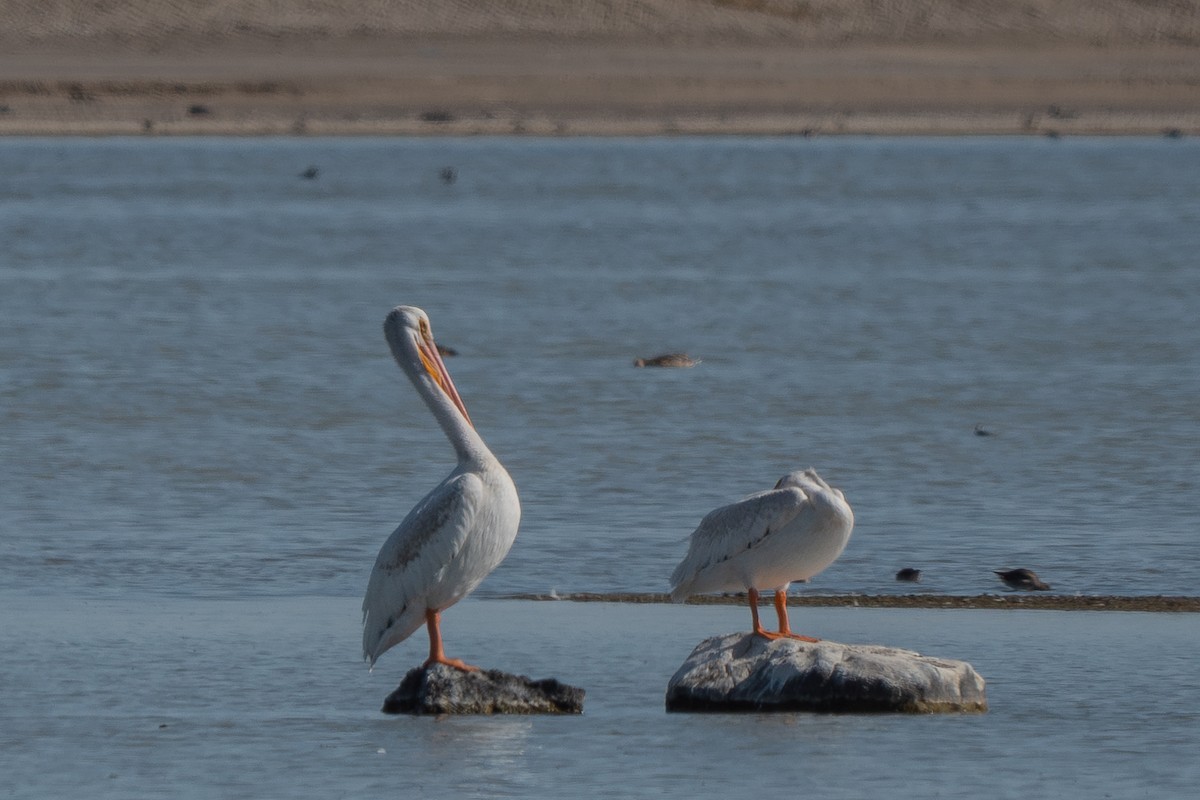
x: 410, y: 337
x: 791, y: 479
x: 800, y: 479
x: 807, y: 480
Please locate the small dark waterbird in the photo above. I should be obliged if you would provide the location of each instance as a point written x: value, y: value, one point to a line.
x: 667, y: 360
x: 1023, y: 579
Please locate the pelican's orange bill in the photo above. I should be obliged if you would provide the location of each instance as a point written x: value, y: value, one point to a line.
x: 437, y: 369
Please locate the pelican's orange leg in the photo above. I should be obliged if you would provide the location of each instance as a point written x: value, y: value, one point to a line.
x: 433, y: 621
x: 758, y: 628
x: 784, y: 629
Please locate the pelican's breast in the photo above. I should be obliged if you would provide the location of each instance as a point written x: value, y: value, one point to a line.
x: 815, y: 538
x: 492, y: 514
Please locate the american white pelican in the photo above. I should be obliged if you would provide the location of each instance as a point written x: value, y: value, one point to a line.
x: 766, y: 541
x: 458, y: 533
x: 667, y: 360
x: 1022, y: 578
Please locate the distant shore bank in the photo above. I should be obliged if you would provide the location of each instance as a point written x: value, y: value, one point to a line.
x: 498, y: 86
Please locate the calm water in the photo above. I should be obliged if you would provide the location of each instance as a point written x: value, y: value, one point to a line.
x: 205, y: 442
x: 266, y: 697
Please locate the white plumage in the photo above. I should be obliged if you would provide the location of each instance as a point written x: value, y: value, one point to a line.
x: 765, y: 542
x: 454, y: 537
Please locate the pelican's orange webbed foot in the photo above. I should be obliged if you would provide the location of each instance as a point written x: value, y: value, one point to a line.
x: 785, y: 629
x: 433, y: 620
x: 773, y: 635
x: 458, y: 664
x: 768, y: 635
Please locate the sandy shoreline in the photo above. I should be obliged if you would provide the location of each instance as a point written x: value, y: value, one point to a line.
x: 506, y: 87
x: 623, y: 67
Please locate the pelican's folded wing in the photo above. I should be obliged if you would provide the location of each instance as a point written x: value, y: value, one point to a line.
x: 733, y: 529
x: 413, y: 559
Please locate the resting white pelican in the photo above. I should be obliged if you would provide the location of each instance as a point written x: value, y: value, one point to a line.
x: 458, y: 533
x: 766, y: 541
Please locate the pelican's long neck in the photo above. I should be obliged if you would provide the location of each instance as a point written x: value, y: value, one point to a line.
x: 468, y: 444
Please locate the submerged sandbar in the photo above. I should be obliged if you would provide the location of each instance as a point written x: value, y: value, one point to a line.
x: 1042, y: 602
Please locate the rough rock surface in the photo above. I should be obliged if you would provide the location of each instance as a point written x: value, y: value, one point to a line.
x: 444, y: 690
x: 744, y: 672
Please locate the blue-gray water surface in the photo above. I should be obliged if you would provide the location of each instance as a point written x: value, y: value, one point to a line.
x: 199, y: 413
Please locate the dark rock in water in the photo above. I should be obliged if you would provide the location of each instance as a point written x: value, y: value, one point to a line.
x: 444, y: 690
x: 745, y: 672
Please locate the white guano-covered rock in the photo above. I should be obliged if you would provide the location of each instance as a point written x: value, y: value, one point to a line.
x: 745, y: 672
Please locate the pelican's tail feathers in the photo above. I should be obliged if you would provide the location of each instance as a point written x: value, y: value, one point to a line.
x: 681, y: 583
x: 379, y: 637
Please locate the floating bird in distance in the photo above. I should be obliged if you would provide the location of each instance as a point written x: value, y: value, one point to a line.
x: 766, y: 541
x: 1025, y: 579
x: 310, y: 173
x: 909, y: 574
x: 667, y: 360
x: 458, y: 533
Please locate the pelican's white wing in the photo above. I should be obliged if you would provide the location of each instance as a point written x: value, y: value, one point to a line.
x: 416, y: 560
x: 730, y: 534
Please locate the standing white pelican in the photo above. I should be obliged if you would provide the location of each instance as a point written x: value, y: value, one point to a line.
x: 766, y: 541
x: 458, y: 533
